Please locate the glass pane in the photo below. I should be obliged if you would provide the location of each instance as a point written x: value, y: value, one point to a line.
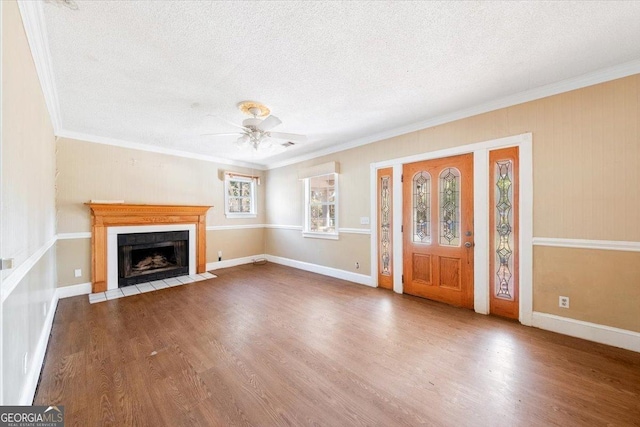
x: 318, y: 195
x: 331, y: 195
x: 323, y: 218
x: 323, y: 189
x: 322, y: 196
x: 450, y: 207
x: 385, y: 225
x: 504, y: 237
x: 245, y: 189
x: 422, y: 207
x: 234, y: 204
x: 246, y: 205
x: 234, y: 188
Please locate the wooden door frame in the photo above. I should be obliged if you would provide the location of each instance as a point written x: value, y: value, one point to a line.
x: 481, y: 198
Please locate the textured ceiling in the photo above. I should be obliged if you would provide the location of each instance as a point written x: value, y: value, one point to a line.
x: 151, y: 71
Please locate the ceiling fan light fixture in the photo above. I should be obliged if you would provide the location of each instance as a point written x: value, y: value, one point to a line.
x: 265, y: 144
x: 251, y: 122
x: 253, y: 108
x: 243, y: 141
x: 256, y: 131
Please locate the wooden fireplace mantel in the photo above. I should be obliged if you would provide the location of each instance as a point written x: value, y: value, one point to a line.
x: 105, y: 215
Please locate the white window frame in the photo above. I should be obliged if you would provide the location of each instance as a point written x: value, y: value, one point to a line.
x: 306, y: 229
x: 254, y: 204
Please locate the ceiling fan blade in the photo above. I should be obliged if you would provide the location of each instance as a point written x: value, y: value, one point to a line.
x: 221, y: 134
x: 288, y: 136
x: 269, y: 123
x: 226, y: 121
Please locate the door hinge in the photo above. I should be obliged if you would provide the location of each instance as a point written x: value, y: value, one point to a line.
x: 403, y: 278
x: 402, y: 228
x: 402, y: 178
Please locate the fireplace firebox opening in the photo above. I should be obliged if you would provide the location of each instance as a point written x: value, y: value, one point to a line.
x: 145, y: 257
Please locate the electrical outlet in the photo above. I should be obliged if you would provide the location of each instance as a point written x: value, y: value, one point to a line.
x: 77, y: 272
x: 357, y: 265
x: 364, y: 220
x: 25, y: 358
x: 563, y: 302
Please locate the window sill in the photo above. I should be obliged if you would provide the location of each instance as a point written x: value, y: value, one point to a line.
x: 240, y: 215
x: 321, y: 235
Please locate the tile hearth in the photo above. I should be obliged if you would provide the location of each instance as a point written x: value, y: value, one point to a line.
x: 148, y: 287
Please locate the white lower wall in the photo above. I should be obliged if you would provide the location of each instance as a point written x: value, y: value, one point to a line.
x: 27, y: 315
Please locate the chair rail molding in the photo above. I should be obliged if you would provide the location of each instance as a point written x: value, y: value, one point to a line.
x: 610, y: 245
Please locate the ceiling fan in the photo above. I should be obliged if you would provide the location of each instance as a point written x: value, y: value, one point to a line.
x: 256, y: 132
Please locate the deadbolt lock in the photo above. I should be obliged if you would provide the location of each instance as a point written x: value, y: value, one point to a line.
x: 468, y: 245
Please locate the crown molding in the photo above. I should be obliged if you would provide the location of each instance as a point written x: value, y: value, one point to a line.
x: 35, y: 28
x: 63, y: 133
x: 579, y: 82
x: 33, y: 20
x: 589, y: 79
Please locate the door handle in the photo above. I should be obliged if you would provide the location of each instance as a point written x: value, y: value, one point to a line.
x: 468, y: 245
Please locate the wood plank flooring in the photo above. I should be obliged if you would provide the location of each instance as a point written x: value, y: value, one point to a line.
x: 275, y: 346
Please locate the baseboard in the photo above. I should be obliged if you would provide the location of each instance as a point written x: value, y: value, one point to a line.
x: 602, y: 334
x: 73, y: 290
x: 33, y: 375
x: 233, y: 262
x: 321, y: 269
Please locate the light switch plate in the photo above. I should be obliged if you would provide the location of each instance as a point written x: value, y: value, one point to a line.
x: 77, y: 272
x: 6, y: 264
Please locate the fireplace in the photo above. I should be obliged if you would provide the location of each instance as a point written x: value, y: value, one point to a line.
x: 110, y: 219
x: 145, y: 257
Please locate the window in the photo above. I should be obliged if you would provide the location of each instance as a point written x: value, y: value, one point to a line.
x: 239, y: 197
x: 321, y: 206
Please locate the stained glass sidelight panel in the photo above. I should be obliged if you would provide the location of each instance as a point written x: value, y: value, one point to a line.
x: 385, y: 225
x: 422, y: 207
x: 504, y: 235
x: 450, y: 207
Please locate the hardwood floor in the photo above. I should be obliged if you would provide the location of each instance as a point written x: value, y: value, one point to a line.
x: 271, y: 345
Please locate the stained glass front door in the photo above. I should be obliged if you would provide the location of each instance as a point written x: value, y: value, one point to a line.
x: 438, y: 229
